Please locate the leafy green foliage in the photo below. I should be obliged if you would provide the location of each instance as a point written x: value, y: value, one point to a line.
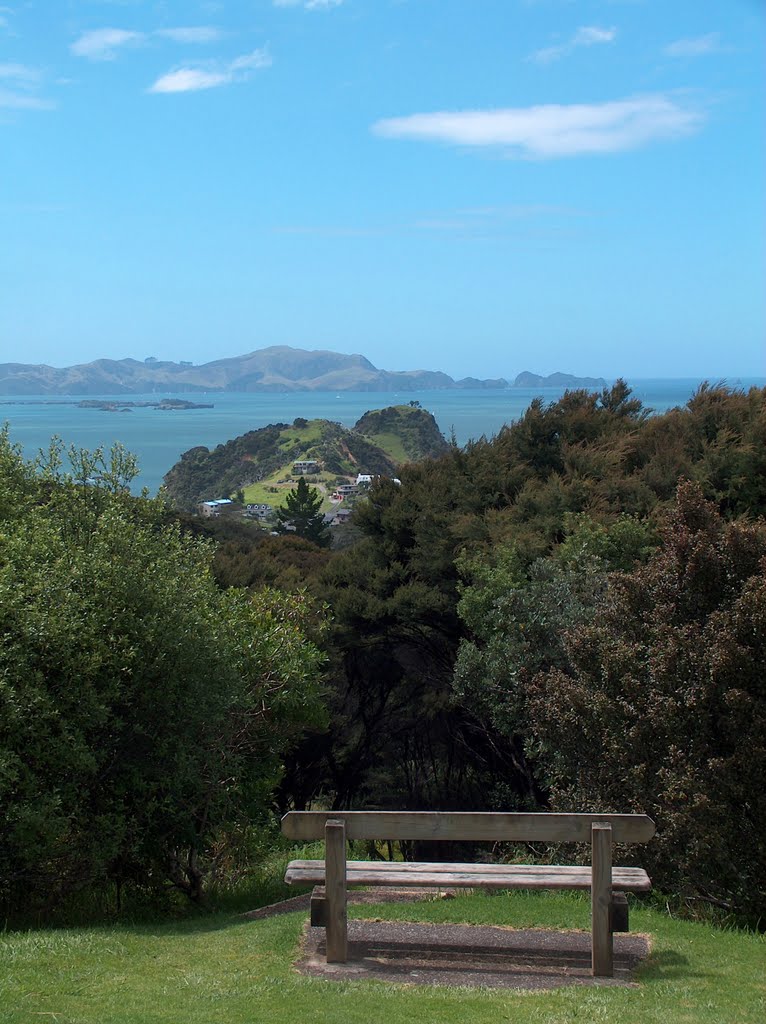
x: 536, y: 518
x: 471, y: 646
x: 618, y: 545
x: 142, y: 710
x: 518, y: 619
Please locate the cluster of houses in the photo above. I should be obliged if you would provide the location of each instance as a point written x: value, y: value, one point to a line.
x: 225, y: 506
x: 302, y: 467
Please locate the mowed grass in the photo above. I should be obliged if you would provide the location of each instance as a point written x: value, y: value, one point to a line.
x: 391, y: 444
x: 222, y: 968
x: 259, y: 493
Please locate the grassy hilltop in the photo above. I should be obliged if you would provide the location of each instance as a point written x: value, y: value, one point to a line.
x: 262, y: 459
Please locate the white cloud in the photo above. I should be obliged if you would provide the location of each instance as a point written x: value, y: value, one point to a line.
x: 553, y: 130
x: 309, y: 5
x: 103, y: 43
x: 192, y: 34
x: 586, y: 35
x: 190, y: 80
x: 194, y: 79
x: 699, y: 46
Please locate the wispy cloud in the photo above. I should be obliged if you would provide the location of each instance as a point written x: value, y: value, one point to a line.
x: 21, y: 74
x: 193, y: 34
x: 309, y: 5
x: 10, y: 100
x: 697, y: 46
x: 470, y: 223
x: 19, y: 87
x: 554, y: 130
x: 586, y: 35
x: 105, y: 43
x: 190, y: 79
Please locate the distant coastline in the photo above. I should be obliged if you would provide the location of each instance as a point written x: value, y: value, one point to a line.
x: 278, y: 369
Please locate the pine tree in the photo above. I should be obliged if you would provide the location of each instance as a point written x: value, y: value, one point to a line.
x: 301, y: 512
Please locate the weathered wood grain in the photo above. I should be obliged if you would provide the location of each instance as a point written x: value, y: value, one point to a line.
x: 485, y: 876
x: 601, y: 899
x: 336, y: 927
x: 484, y: 826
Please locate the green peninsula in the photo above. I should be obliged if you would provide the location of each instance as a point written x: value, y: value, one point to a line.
x: 262, y: 463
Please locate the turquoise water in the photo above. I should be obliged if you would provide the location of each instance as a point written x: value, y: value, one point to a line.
x: 159, y: 438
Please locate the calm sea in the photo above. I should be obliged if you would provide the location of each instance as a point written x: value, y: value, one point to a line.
x: 159, y: 438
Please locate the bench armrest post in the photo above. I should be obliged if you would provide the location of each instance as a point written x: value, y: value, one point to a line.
x: 335, y: 892
x: 601, y: 899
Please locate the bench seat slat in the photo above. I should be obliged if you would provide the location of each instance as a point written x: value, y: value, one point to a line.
x: 397, y: 867
x: 481, y: 825
x: 495, y: 876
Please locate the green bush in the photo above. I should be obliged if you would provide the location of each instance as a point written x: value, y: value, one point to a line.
x: 142, y: 710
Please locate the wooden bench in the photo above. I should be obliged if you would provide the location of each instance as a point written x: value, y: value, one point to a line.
x: 607, y: 884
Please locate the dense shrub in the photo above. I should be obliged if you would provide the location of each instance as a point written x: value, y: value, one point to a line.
x: 662, y: 707
x: 142, y: 710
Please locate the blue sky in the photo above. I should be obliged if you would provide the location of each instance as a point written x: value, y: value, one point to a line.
x: 478, y: 186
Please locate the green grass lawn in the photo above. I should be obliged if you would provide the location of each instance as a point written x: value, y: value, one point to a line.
x: 392, y: 445
x: 301, y: 435
x: 259, y: 493
x: 221, y: 969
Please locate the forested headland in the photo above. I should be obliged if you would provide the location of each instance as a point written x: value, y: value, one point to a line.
x: 569, y: 615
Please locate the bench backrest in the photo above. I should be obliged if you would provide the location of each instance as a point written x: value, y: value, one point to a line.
x: 452, y: 825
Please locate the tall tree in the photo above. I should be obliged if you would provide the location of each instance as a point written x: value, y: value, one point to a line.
x: 301, y: 514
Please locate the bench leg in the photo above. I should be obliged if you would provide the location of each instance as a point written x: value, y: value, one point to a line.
x: 335, y: 892
x: 317, y: 907
x: 601, y: 899
x: 620, y: 920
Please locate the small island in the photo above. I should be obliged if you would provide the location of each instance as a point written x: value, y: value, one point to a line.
x: 557, y: 380
x: 165, y: 404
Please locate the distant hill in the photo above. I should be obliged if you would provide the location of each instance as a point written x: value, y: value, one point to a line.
x: 377, y: 444
x: 278, y: 368
x: 557, y: 380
